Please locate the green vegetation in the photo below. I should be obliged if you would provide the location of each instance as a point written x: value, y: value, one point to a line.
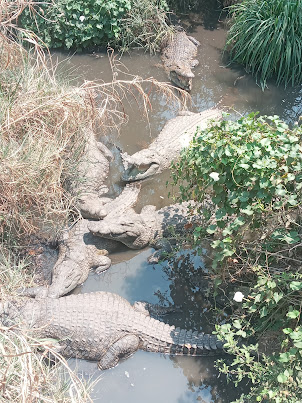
x: 87, y: 24
x: 76, y: 24
x: 252, y: 169
x: 274, y: 366
x: 266, y: 37
x: 250, y: 173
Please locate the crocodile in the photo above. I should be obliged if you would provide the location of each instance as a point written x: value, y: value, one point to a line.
x: 149, y: 227
x: 178, y: 58
x: 80, y: 251
x: 176, y: 135
x: 93, y: 171
x: 105, y: 327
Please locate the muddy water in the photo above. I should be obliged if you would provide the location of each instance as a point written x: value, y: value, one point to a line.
x: 150, y: 377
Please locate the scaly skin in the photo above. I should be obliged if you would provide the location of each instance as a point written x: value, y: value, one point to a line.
x: 80, y: 251
x: 139, y: 230
x: 179, y: 58
x: 176, y: 135
x: 104, y: 327
x: 93, y: 171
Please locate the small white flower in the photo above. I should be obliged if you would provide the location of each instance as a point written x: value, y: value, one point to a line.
x: 82, y: 18
x: 214, y: 176
x: 238, y: 297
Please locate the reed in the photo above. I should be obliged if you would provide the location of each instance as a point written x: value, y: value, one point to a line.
x: 266, y: 37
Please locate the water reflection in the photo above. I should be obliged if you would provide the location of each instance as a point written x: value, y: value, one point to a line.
x: 148, y: 377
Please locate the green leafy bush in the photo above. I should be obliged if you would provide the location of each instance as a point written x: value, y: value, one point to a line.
x: 273, y: 307
x: 266, y: 37
x: 77, y: 24
x: 252, y: 170
x: 86, y: 24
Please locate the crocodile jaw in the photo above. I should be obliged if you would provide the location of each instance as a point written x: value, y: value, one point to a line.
x: 135, y: 174
x: 181, y: 81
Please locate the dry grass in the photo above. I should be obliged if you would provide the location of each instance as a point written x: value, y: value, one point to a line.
x: 25, y: 378
x: 144, y: 26
x: 25, y: 375
x: 43, y: 123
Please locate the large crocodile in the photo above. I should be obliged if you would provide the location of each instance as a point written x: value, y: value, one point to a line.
x: 150, y: 226
x: 104, y: 327
x: 93, y: 170
x: 178, y: 58
x: 80, y: 251
x: 176, y: 135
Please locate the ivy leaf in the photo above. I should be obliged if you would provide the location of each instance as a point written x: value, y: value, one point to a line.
x: 248, y: 211
x: 211, y: 229
x: 277, y: 297
x: 282, y: 378
x: 295, y: 285
x: 284, y: 357
x: 237, y: 324
x: 263, y: 312
x: 293, y: 314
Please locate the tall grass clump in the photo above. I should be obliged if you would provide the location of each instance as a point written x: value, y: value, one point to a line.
x: 41, y: 125
x: 266, y: 37
x: 145, y: 25
x: 25, y: 377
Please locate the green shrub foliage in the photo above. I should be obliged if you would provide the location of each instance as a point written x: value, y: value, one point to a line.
x: 77, y: 24
x: 266, y: 37
x: 252, y: 169
x: 273, y: 307
x: 86, y: 24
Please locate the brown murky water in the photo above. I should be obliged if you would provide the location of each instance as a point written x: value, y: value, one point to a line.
x: 150, y: 377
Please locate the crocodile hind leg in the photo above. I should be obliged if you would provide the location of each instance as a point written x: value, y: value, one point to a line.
x: 122, y: 348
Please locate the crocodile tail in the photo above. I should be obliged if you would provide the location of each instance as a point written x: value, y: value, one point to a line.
x: 188, y: 342
x: 167, y: 339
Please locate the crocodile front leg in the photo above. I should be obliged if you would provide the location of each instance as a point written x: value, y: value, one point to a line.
x: 34, y: 292
x: 122, y: 348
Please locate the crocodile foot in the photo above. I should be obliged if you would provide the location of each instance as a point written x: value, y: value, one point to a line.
x: 34, y: 292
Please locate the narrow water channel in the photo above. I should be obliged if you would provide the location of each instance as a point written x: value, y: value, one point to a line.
x: 148, y: 377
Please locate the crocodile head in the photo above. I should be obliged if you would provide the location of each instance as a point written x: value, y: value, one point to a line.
x: 140, y: 165
x: 66, y: 276
x: 181, y: 75
x: 132, y: 229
